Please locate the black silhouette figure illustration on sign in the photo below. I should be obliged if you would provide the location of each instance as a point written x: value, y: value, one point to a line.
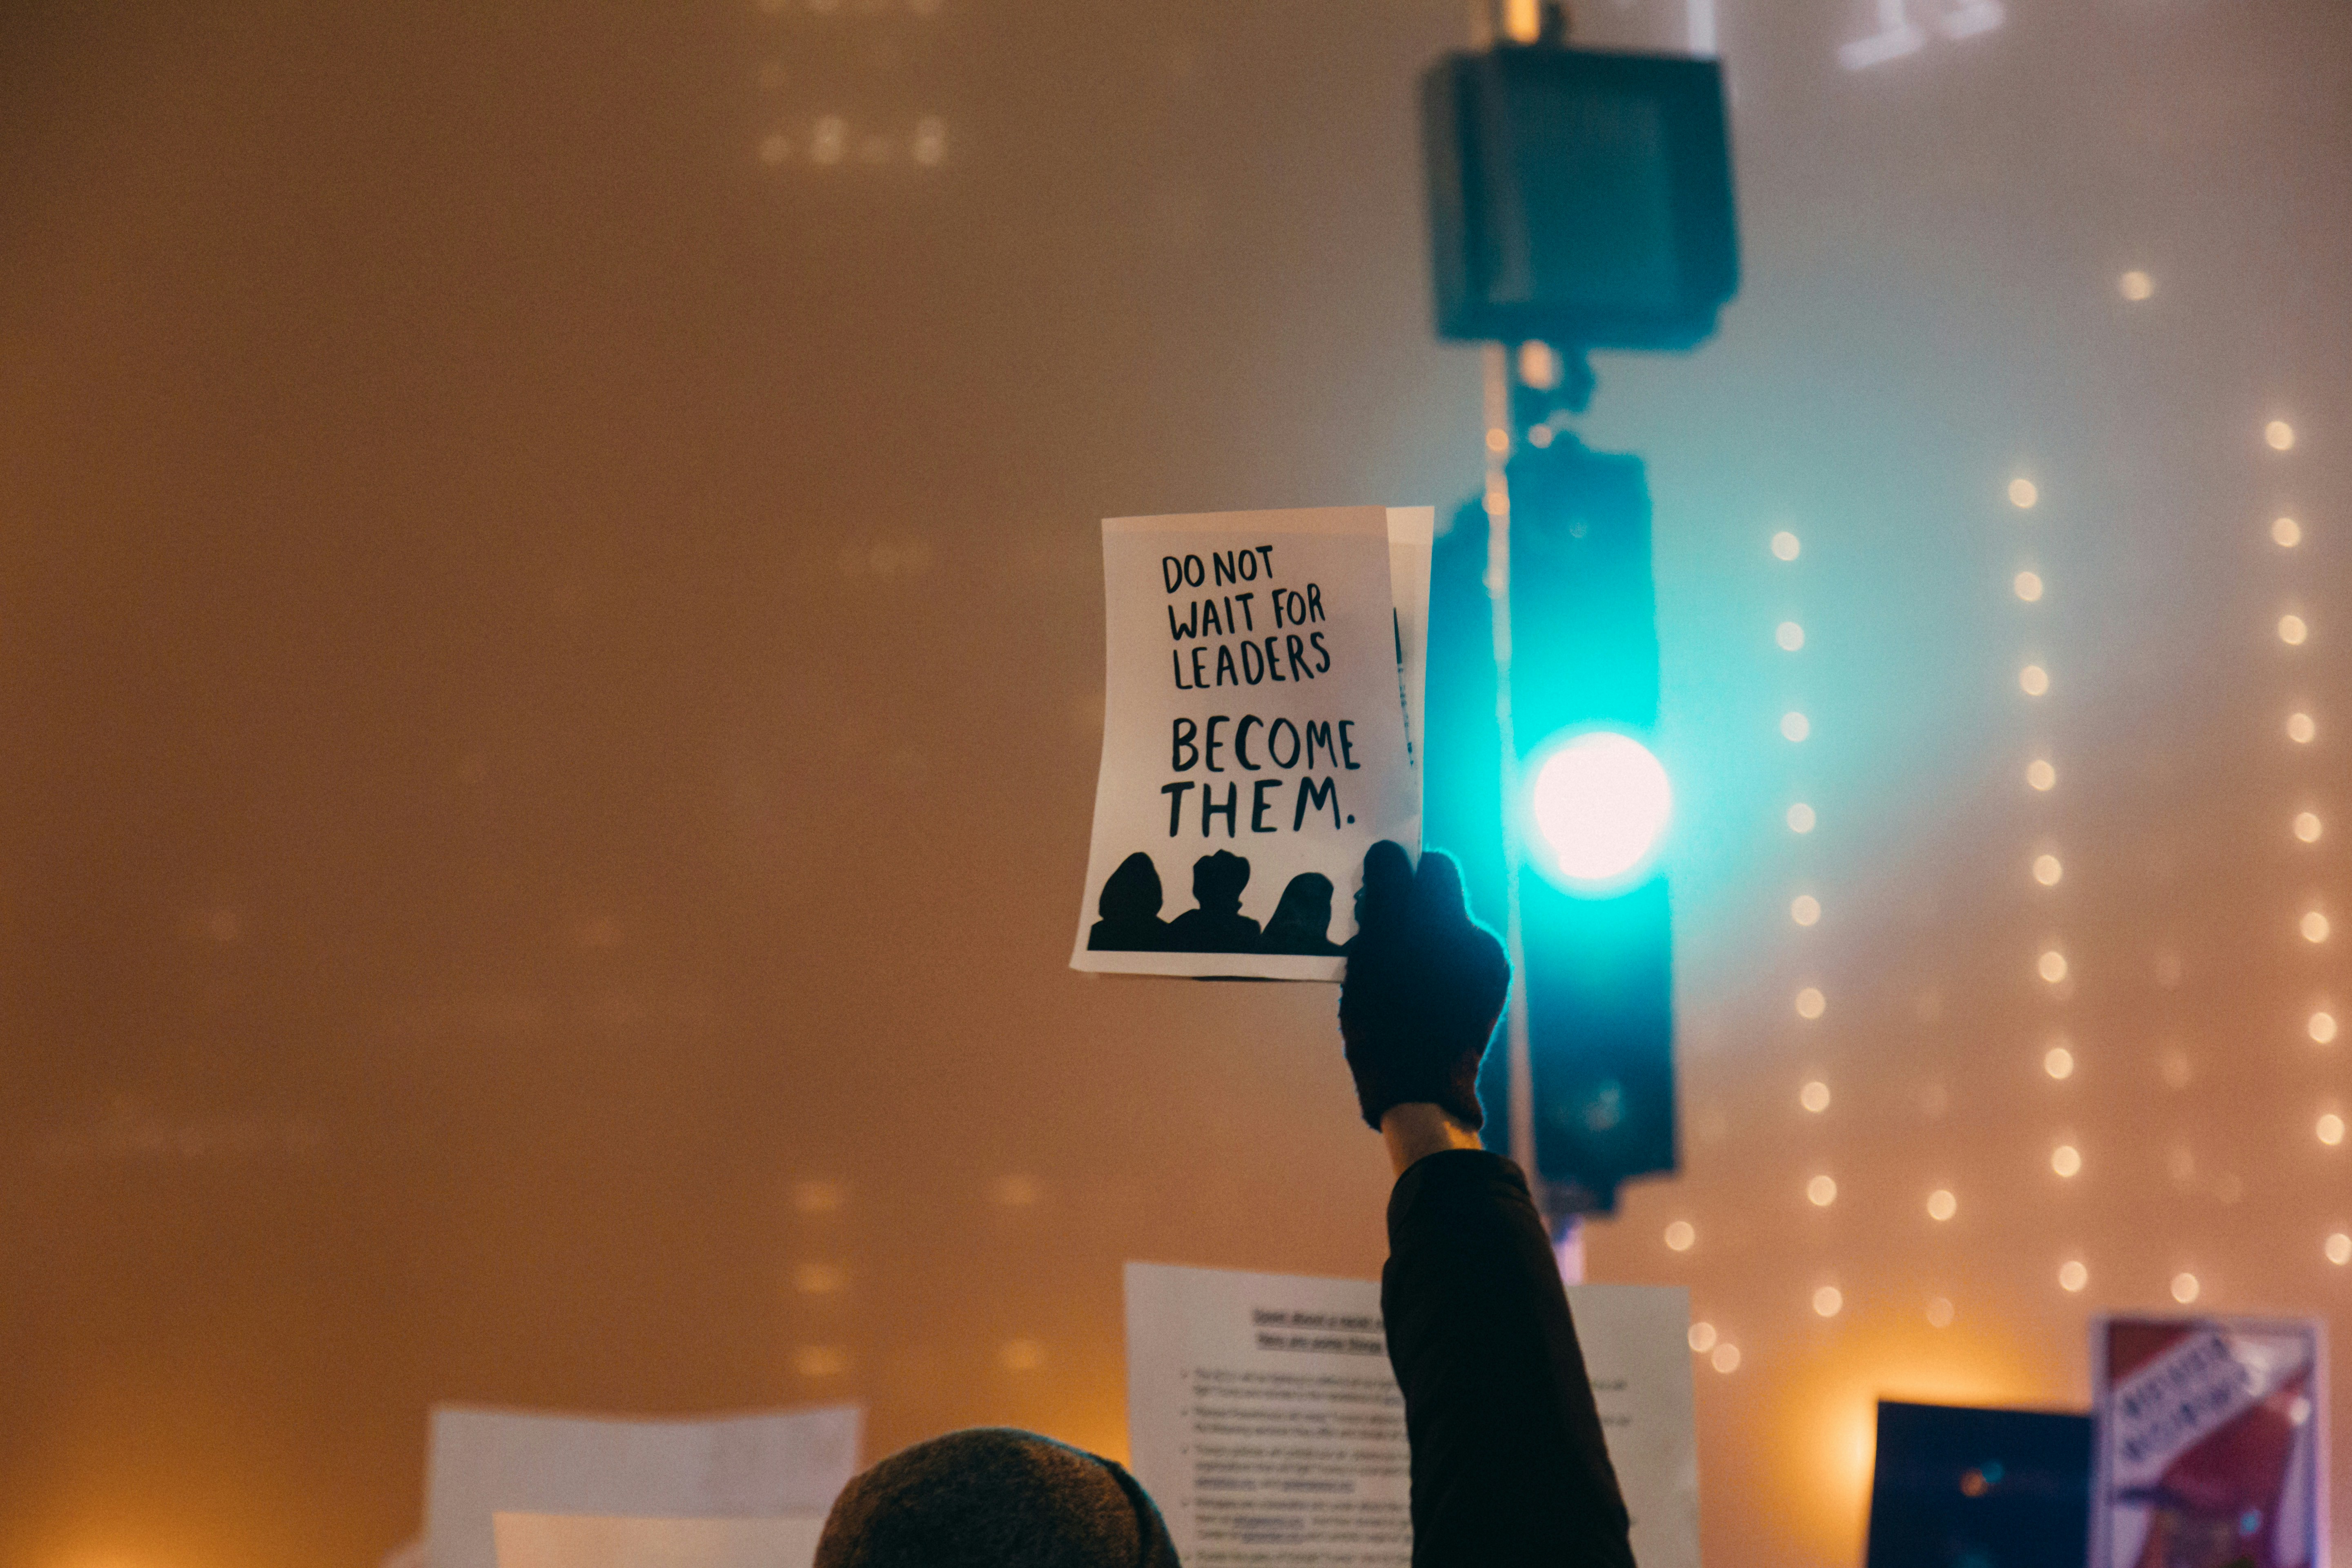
x: 1218, y: 925
x: 1130, y: 901
x: 1130, y: 909
x: 1302, y: 919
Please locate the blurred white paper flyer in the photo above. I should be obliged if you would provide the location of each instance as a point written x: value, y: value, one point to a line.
x: 766, y: 1466
x: 1261, y: 672
x: 593, y: 1540
x: 1264, y: 1420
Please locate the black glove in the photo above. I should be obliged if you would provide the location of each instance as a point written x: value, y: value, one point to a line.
x: 1425, y: 983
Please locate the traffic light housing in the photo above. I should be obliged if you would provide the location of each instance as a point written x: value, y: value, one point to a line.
x: 1598, y: 967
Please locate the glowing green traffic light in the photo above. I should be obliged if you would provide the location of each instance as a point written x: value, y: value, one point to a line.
x: 1599, y: 804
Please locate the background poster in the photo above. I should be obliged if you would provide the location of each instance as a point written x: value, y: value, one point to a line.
x: 1259, y: 667
x: 2210, y: 1442
x: 1263, y: 1418
x: 488, y: 1462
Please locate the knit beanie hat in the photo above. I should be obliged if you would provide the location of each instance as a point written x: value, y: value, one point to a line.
x: 993, y: 1495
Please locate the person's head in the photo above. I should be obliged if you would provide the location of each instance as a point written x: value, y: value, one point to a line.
x: 1131, y: 893
x: 1218, y: 880
x: 992, y: 1497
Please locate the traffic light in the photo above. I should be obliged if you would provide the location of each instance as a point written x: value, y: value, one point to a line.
x: 1591, y: 802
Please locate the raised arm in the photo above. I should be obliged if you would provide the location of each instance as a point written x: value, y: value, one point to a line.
x: 1509, y: 1466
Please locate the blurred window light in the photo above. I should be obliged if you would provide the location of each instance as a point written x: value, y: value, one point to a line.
x: 1810, y: 1003
x: 2306, y: 826
x: 2034, y: 680
x: 1941, y: 1204
x: 820, y: 1361
x: 820, y: 1278
x: 2321, y: 1028
x: 1680, y: 1236
x: 1785, y: 545
x: 1795, y: 726
x: 2286, y: 533
x: 2329, y: 1128
x: 1820, y: 1192
x: 2185, y: 1287
x: 2024, y: 493
x: 2050, y: 966
x: 2066, y: 1160
x: 829, y: 140
x: 2292, y: 631
x: 1828, y: 1301
x: 1802, y: 818
x: 816, y: 1197
x: 2300, y: 729
x: 2136, y: 285
x: 1789, y: 636
x: 2279, y: 434
x: 2073, y: 1276
x: 1538, y: 365
x: 1939, y: 1312
x: 1805, y: 909
x: 2047, y: 871
x: 930, y: 141
x: 2058, y: 1062
x: 1702, y: 1337
x: 2040, y: 774
x: 2313, y: 926
x: 1814, y: 1096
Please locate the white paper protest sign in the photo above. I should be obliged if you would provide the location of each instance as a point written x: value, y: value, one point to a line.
x: 1264, y: 1420
x: 761, y: 1466
x: 593, y: 1540
x: 1259, y: 667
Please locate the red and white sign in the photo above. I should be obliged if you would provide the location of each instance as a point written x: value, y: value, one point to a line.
x: 2211, y: 1443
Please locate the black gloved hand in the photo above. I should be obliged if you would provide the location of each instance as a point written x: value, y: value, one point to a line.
x: 1424, y: 986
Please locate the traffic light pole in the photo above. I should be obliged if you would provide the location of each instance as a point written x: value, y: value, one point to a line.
x: 1521, y: 20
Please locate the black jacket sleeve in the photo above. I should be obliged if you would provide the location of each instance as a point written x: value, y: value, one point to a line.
x: 1509, y: 1464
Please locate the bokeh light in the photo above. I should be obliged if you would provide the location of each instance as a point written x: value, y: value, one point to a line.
x: 2073, y: 1276
x: 2185, y: 1287
x: 2028, y: 586
x: 1802, y: 818
x: 2034, y: 680
x: 1820, y: 1192
x: 1795, y: 726
x: 2279, y: 435
x: 2292, y: 631
x: 2058, y: 1062
x: 1805, y: 909
x: 2301, y: 728
x: 1810, y: 1003
x: 2040, y: 774
x: 1785, y: 545
x: 2047, y: 871
x: 2136, y: 285
x: 1680, y: 1236
x: 2024, y: 493
x: 1942, y: 1205
x: 1829, y: 1300
x: 2286, y: 533
x: 2066, y: 1160
x: 1814, y: 1096
x: 1789, y: 636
